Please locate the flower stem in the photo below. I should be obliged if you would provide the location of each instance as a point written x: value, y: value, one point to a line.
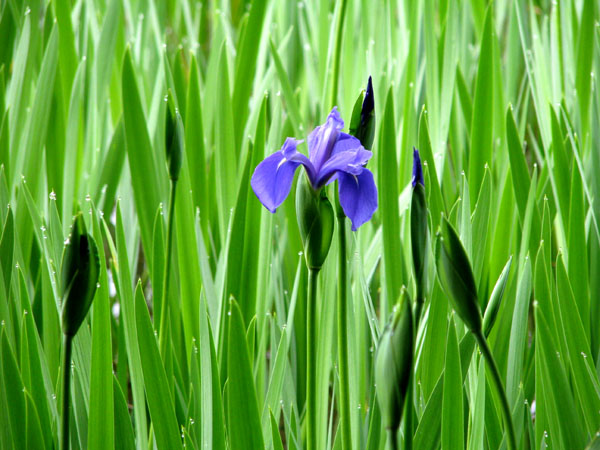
x: 508, y: 424
x: 68, y: 346
x: 342, y: 282
x: 408, y: 414
x: 342, y: 335
x: 311, y: 360
x: 418, y: 309
x: 165, y: 304
x: 392, y: 441
x: 337, y: 53
x: 410, y: 394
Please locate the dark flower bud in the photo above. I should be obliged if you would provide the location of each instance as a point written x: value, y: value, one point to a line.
x: 362, y: 124
x: 174, y: 138
x: 456, y: 276
x: 80, y: 270
x: 417, y: 172
x: 393, y: 363
x: 316, y: 222
x: 419, y: 231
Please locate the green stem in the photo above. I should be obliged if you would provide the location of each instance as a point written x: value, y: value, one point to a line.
x: 508, y: 424
x: 408, y: 414
x: 342, y: 282
x: 68, y: 346
x: 311, y: 361
x: 165, y: 304
x: 339, y: 27
x: 342, y: 336
x: 410, y: 395
x: 392, y: 442
x: 419, y: 301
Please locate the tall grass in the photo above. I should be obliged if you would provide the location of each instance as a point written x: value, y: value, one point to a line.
x: 502, y: 101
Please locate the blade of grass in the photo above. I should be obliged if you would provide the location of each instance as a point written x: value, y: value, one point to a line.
x: 481, y: 141
x: 124, y: 288
x: 452, y: 403
x: 142, y: 165
x: 388, y: 169
x: 101, y: 413
x: 244, y: 428
x: 158, y: 394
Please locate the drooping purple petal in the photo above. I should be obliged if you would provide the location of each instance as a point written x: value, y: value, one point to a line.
x: 273, y: 177
x: 291, y: 154
x: 323, y: 138
x: 358, y: 196
x: 351, y: 162
x: 417, y: 172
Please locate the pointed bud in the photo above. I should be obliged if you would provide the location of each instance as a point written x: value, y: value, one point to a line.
x: 393, y: 363
x: 491, y: 311
x: 456, y: 276
x: 362, y: 124
x: 80, y: 270
x: 316, y: 222
x: 417, y: 172
x: 174, y: 138
x: 419, y: 231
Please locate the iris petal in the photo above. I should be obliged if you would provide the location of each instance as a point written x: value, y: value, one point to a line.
x: 358, y: 196
x: 350, y: 162
x: 323, y: 138
x: 273, y: 177
x: 348, y: 155
x: 291, y: 154
x: 346, y: 142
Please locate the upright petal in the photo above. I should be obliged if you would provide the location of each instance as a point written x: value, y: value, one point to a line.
x: 273, y: 177
x: 291, y: 154
x: 323, y: 138
x: 358, y: 196
x: 346, y: 143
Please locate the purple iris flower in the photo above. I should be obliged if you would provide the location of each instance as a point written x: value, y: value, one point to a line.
x: 332, y: 155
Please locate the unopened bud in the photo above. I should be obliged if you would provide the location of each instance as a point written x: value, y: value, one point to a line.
x: 419, y: 231
x: 316, y: 222
x: 80, y: 270
x: 417, y: 172
x: 491, y: 311
x: 362, y: 123
x: 174, y: 138
x: 393, y: 363
x: 456, y: 276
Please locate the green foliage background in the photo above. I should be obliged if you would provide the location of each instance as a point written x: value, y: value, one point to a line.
x: 502, y: 100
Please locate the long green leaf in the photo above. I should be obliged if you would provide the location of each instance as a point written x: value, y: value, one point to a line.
x: 481, y: 141
x: 243, y: 417
x: 158, y: 394
x: 145, y: 175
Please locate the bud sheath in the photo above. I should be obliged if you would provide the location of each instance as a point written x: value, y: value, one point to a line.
x: 174, y: 138
x: 393, y: 363
x: 362, y: 123
x: 456, y: 276
x: 419, y: 234
x: 316, y: 222
x: 80, y: 269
